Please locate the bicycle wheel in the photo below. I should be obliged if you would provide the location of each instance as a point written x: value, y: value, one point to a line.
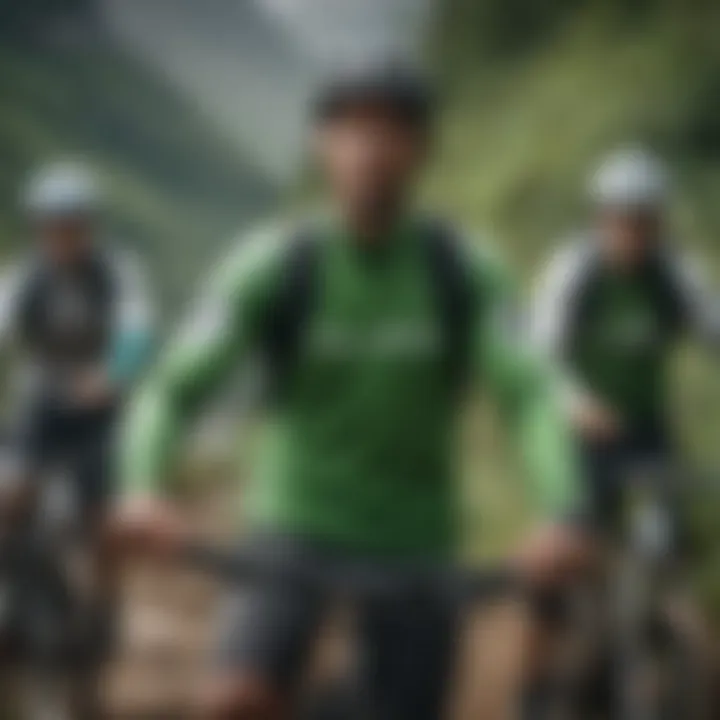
x: 682, y: 670
x: 659, y: 665
x: 48, y: 623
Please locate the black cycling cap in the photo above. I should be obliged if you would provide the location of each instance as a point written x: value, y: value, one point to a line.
x: 403, y: 88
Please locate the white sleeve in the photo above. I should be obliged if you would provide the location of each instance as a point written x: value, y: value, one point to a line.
x: 135, y: 311
x: 553, y: 301
x: 11, y: 282
x: 699, y: 300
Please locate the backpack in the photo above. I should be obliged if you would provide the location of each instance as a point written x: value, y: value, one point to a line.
x: 291, y: 307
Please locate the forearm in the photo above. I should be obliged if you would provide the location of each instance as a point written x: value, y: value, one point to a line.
x: 532, y: 398
x: 549, y: 452
x: 134, y: 323
x: 701, y: 301
x: 217, y: 338
x: 149, y: 434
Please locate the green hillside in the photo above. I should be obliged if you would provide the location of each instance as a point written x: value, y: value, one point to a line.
x: 177, y: 189
x: 526, y: 124
x: 538, y: 91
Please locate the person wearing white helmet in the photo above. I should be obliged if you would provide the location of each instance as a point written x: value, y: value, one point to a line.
x: 64, y: 207
x: 611, y: 307
x: 77, y: 306
x: 614, y: 301
x: 77, y: 312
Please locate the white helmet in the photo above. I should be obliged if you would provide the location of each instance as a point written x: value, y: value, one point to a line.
x: 64, y: 188
x: 631, y: 178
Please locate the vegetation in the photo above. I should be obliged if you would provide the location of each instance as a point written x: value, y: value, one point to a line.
x: 176, y: 187
x: 538, y: 91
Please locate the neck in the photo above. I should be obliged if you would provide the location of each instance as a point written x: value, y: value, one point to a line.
x: 373, y: 222
x: 629, y: 264
x: 71, y: 264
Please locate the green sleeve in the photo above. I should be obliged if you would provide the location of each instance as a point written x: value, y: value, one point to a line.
x: 527, y: 393
x: 210, y: 346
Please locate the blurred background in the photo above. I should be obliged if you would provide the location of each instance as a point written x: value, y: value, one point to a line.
x: 193, y: 113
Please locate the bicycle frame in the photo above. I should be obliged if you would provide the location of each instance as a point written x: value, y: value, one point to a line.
x: 359, y: 579
x: 643, y: 568
x: 644, y: 573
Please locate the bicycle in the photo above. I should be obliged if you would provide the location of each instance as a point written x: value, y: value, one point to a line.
x: 41, y: 614
x: 351, y: 582
x: 633, y: 655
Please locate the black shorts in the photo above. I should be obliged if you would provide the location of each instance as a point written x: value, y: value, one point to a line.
x: 76, y: 443
x: 406, y: 646
x: 609, y: 468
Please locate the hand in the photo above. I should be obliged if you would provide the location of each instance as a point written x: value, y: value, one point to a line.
x: 594, y: 420
x: 148, y: 525
x: 554, y: 553
x: 93, y: 388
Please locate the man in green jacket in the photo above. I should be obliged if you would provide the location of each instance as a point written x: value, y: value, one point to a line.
x: 373, y: 322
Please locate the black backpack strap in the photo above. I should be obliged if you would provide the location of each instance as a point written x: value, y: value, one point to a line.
x: 28, y: 295
x: 669, y: 293
x: 587, y: 285
x: 289, y: 310
x: 455, y: 300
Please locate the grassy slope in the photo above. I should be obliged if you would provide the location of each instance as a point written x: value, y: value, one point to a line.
x: 176, y: 187
x: 523, y: 131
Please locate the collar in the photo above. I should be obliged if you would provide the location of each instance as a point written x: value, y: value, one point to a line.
x: 655, y: 258
x: 400, y: 234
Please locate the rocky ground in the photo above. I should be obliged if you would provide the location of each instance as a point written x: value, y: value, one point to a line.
x: 167, y: 627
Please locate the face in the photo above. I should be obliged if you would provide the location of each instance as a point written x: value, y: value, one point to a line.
x: 64, y: 240
x: 630, y: 235
x: 371, y: 160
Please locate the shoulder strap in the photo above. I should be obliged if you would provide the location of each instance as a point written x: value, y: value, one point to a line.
x: 101, y: 278
x: 28, y: 297
x: 454, y: 298
x: 288, y: 311
x: 669, y: 292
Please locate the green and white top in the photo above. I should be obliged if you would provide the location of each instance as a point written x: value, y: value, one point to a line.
x: 360, y: 449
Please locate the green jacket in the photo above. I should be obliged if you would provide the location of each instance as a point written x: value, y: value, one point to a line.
x: 361, y: 449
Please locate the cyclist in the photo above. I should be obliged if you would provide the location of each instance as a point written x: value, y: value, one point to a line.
x: 77, y: 314
x: 373, y: 320
x: 612, y: 306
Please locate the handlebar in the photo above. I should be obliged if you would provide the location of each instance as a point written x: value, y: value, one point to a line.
x: 476, y: 585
